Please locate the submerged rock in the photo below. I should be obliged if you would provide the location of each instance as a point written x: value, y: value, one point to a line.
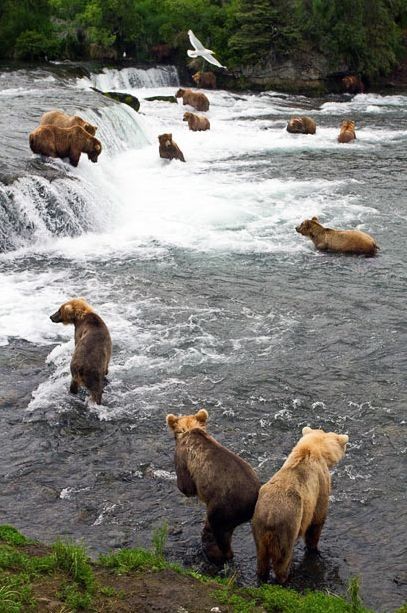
x: 162, y: 99
x: 120, y: 97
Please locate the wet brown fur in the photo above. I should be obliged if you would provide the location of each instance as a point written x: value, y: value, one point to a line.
x: 62, y: 120
x: 196, y: 99
x: 168, y: 149
x: 225, y: 483
x: 207, y: 79
x: 197, y: 123
x: 294, y: 503
x: 65, y: 143
x: 353, y: 84
x: 347, y: 132
x: 340, y: 241
x: 93, y: 346
x: 301, y: 125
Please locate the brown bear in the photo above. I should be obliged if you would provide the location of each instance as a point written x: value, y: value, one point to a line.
x: 62, y: 120
x: 93, y: 346
x: 196, y: 99
x: 221, y: 480
x: 352, y: 84
x: 347, y: 132
x: 294, y: 503
x: 301, y: 125
x: 207, y: 80
x: 339, y: 241
x: 197, y: 123
x: 168, y: 149
x: 65, y: 142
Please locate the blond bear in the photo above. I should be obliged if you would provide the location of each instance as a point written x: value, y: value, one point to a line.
x: 225, y: 483
x: 63, y: 120
x: 197, y: 123
x: 294, y: 503
x: 347, y: 132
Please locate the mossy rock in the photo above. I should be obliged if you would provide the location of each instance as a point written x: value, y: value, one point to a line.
x: 162, y: 99
x: 123, y: 98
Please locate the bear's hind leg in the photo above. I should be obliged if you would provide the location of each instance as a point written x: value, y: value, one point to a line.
x: 223, y: 538
x: 95, y: 383
x: 263, y: 561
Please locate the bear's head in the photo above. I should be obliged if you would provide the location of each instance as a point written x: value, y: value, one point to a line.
x: 309, y: 227
x: 197, y: 77
x: 183, y: 423
x: 165, y: 140
x: 187, y: 116
x: 90, y: 128
x: 71, y: 311
x: 95, y: 150
x: 295, y: 125
x: 319, y: 444
x: 180, y: 93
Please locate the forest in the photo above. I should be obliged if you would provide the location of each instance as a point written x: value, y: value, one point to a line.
x: 368, y: 36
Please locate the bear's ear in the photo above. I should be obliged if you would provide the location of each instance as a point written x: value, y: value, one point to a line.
x: 315, y: 219
x: 306, y: 430
x: 98, y: 147
x: 343, y: 439
x: 171, y: 421
x: 68, y: 308
x: 202, y: 416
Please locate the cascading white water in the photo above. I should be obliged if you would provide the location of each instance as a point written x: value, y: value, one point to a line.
x: 133, y: 78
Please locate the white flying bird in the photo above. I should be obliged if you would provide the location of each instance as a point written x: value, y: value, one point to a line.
x: 200, y: 51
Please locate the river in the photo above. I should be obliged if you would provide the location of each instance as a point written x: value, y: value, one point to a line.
x: 213, y: 300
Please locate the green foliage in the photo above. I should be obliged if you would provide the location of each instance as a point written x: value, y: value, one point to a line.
x: 74, y: 598
x: 159, y: 539
x: 15, y: 594
x: 32, y: 45
x: 11, y: 536
x: 126, y: 560
x: 74, y: 560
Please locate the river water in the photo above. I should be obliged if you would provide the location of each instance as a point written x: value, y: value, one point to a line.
x: 213, y: 300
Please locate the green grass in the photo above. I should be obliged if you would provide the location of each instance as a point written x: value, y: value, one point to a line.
x: 11, y: 536
x: 74, y: 560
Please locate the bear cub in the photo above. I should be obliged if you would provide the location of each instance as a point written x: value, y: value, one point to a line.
x: 225, y: 483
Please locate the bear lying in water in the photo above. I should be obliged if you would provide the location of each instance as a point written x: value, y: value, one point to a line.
x: 196, y: 99
x: 168, y: 149
x: 294, y: 503
x: 65, y: 143
x: 197, y: 123
x: 62, y: 120
x: 339, y: 241
x: 93, y: 347
x: 221, y: 480
x: 301, y: 125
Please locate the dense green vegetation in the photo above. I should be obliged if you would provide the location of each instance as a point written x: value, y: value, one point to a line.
x: 364, y: 35
x: 63, y: 576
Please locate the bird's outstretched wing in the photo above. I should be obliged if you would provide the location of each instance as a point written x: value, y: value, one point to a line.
x: 195, y: 41
x: 212, y: 60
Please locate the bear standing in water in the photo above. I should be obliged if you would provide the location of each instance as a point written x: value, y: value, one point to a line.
x: 168, y: 149
x: 93, y: 347
x: 223, y: 481
x: 339, y: 241
x: 294, y: 502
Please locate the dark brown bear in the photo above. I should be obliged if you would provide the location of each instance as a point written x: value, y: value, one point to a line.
x: 225, y: 483
x: 168, y: 149
x: 65, y: 143
x: 62, y: 120
x: 93, y: 346
x: 207, y: 80
x: 301, y: 125
x: 196, y: 99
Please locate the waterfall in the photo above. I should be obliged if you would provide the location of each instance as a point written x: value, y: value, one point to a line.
x: 133, y: 78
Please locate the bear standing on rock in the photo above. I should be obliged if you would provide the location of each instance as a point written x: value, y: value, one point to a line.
x: 65, y: 143
x: 93, y: 346
x: 223, y: 481
x: 294, y: 503
x: 62, y: 120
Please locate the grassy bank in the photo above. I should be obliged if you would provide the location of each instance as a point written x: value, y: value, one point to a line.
x: 63, y: 579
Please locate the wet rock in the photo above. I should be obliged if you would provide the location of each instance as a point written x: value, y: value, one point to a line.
x: 162, y: 99
x: 120, y: 97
